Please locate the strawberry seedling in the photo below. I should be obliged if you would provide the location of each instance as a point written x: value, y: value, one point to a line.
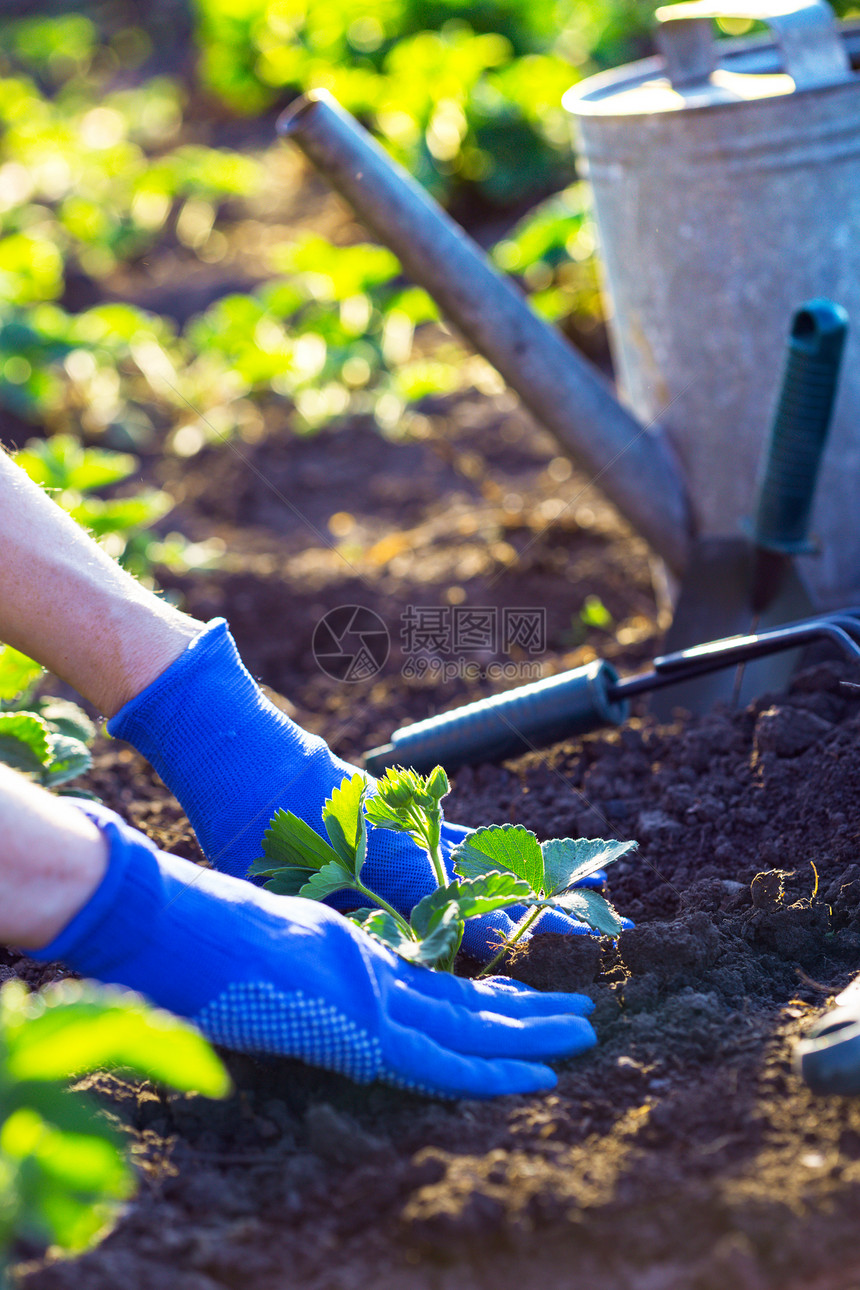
x: 498, y: 868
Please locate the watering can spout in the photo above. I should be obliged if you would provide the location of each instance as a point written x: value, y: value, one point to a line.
x: 633, y: 464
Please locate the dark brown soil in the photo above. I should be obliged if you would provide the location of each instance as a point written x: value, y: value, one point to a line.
x: 683, y: 1153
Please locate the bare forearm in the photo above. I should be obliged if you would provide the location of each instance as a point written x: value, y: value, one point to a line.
x: 67, y: 604
x: 52, y: 859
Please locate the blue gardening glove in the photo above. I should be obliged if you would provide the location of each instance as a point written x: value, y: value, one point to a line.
x: 232, y: 759
x: 278, y: 974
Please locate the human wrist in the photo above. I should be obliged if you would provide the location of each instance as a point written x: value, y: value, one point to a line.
x: 147, y: 638
x: 54, y: 860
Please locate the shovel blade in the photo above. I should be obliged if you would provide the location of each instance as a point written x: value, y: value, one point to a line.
x: 715, y: 602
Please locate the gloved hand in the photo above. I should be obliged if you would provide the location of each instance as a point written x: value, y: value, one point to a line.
x: 232, y: 759
x: 278, y: 974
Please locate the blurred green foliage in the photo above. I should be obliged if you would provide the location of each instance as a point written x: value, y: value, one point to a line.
x: 62, y: 1169
x: 460, y: 92
x: 74, y: 476
x: 104, y: 183
x: 99, y: 175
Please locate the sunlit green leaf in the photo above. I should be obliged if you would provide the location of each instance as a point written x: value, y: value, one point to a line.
x: 75, y: 1027
x: 343, y: 818
x: 382, y: 925
x: 69, y: 758
x: 289, y: 881
x: 290, y: 841
x: 569, y: 860
x: 62, y: 462
x: 331, y: 878
x: 71, y: 1112
x: 65, y: 718
x: 24, y: 741
x: 506, y: 847
x: 472, y: 898
x: 17, y: 673
x: 120, y: 514
x: 589, y: 907
x: 442, y: 941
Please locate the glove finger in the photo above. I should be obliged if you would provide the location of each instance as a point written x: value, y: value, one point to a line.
x: 554, y: 920
x: 596, y: 880
x: 491, y: 1035
x: 509, y: 1000
x: 485, y: 936
x: 516, y: 999
x: 415, y: 1061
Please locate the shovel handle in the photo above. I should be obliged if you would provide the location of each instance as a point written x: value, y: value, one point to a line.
x: 556, y: 707
x: 800, y: 425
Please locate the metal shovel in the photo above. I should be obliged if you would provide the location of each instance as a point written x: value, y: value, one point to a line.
x: 737, y: 585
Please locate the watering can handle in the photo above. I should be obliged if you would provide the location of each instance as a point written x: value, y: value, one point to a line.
x: 799, y: 429
x: 806, y: 31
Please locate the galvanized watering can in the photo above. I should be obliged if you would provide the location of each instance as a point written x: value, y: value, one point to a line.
x: 726, y: 180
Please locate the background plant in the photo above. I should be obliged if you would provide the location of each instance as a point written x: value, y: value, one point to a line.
x: 97, y: 173
x: 462, y: 93
x: 498, y: 867
x: 107, y: 166
x: 63, y: 1173
x: 46, y: 738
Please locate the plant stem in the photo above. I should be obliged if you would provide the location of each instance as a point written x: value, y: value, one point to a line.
x: 434, y: 850
x: 383, y: 904
x: 527, y: 921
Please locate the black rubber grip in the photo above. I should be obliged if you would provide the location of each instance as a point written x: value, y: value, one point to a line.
x: 800, y: 425
x: 503, y: 725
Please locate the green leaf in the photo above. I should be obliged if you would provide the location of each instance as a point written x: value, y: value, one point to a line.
x: 62, y: 462
x: 426, y: 951
x: 66, y: 718
x: 24, y: 741
x: 359, y: 916
x: 506, y: 847
x: 569, y: 860
x: 591, y: 908
x: 70, y: 1112
x: 343, y: 819
x: 472, y: 897
x: 442, y: 941
x: 120, y: 514
x: 385, y: 928
x: 331, y: 878
x: 17, y: 673
x: 74, y: 1027
x: 361, y: 844
x: 288, y: 840
x: 69, y: 758
x: 383, y: 816
x: 288, y: 882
